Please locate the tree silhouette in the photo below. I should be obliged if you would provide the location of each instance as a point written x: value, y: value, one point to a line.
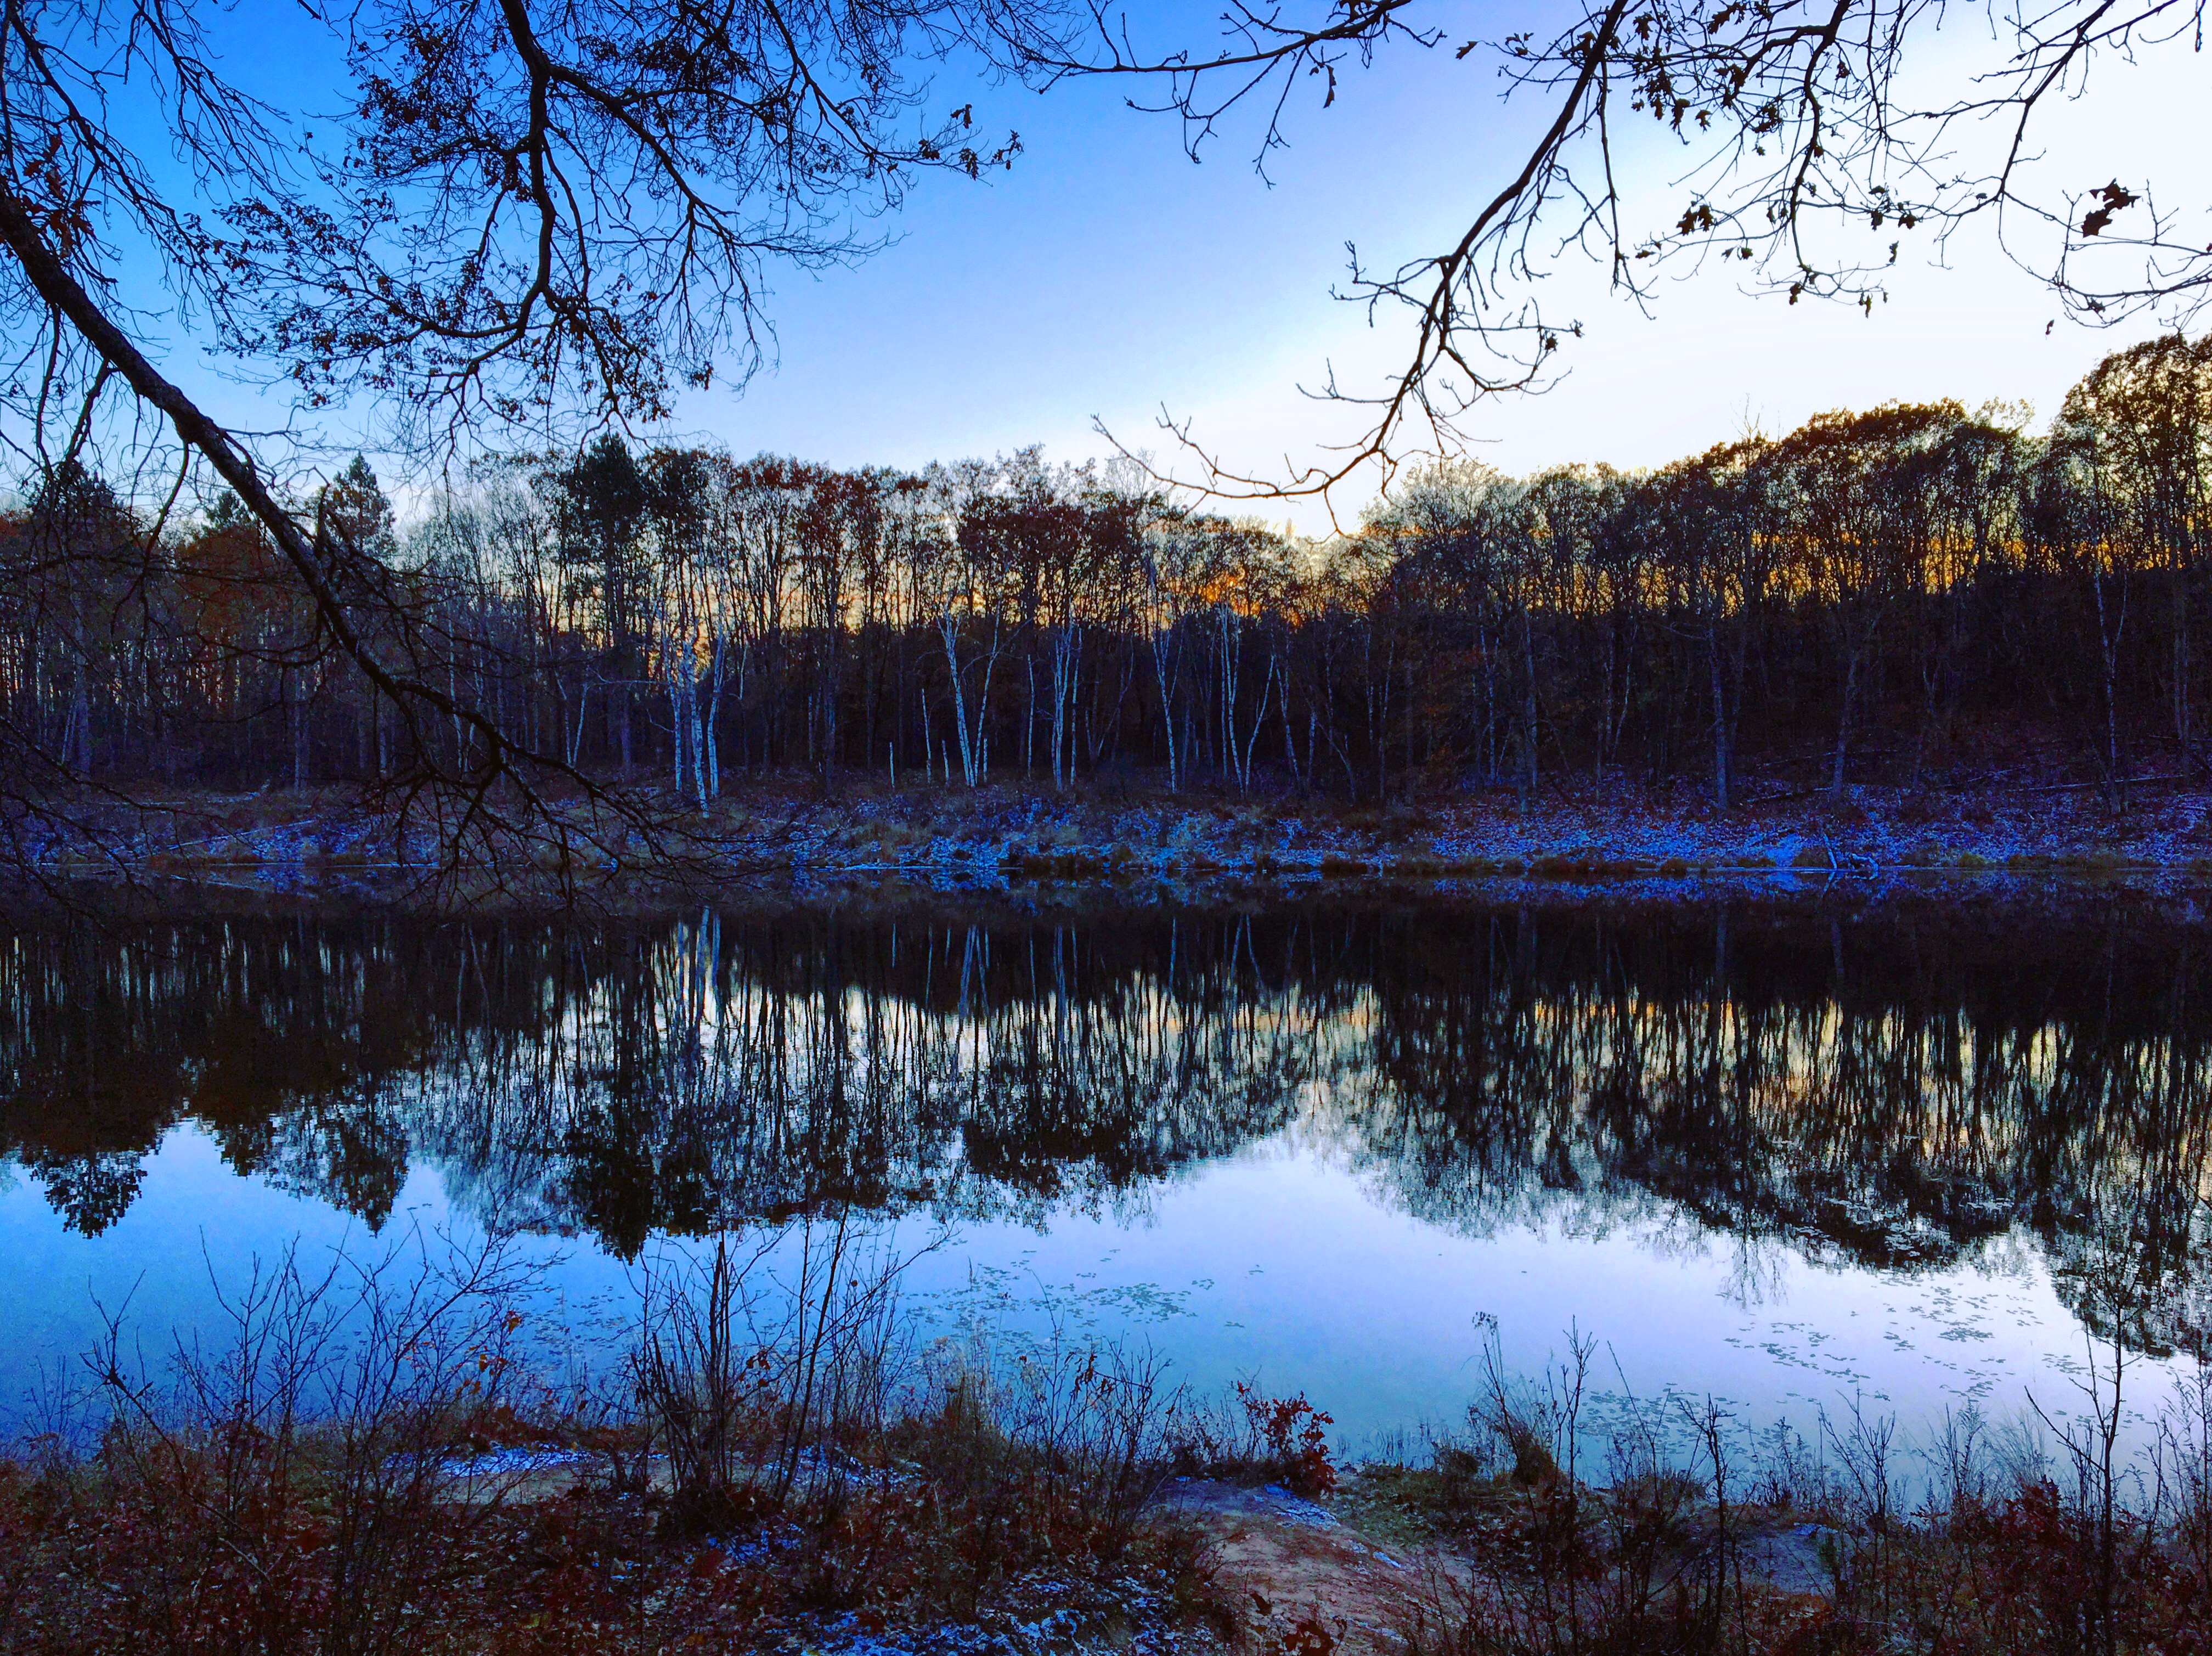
x: 1810, y: 146
x: 525, y: 213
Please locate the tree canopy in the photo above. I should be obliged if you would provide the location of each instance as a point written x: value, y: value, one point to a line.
x: 530, y: 222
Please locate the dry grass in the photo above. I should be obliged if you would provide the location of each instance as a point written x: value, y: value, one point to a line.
x: 768, y: 1463
x: 782, y: 1449
x: 2012, y: 1549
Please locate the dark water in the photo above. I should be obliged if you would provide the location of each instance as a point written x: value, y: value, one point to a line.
x: 1915, y: 1148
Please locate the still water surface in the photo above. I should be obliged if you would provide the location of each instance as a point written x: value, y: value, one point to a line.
x: 1786, y: 1150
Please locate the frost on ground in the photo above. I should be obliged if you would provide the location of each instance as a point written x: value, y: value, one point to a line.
x: 1581, y: 830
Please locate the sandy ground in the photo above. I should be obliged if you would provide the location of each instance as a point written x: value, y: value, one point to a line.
x: 1308, y: 1579
x: 1290, y: 1562
x: 1298, y: 1570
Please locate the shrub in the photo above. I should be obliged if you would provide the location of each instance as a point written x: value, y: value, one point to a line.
x: 314, y: 1486
x: 1293, y: 1439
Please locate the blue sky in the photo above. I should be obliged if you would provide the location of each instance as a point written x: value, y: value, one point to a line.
x: 1107, y: 276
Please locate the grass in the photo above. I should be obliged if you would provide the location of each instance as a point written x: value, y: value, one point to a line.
x: 769, y: 1459
x: 781, y: 1460
x: 2037, y: 1545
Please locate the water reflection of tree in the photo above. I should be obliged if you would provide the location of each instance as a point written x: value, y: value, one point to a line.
x: 1885, y: 1088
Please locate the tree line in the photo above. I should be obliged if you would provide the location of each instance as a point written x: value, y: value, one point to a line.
x: 1912, y: 595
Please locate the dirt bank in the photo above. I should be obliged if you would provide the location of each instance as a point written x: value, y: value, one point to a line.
x: 1008, y: 835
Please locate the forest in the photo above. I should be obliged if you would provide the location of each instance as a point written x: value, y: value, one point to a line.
x: 1913, y: 596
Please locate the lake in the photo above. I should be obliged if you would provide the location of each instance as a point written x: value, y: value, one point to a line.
x: 1787, y: 1148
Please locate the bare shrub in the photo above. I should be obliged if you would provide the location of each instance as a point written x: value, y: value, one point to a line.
x: 1648, y: 1563
x: 780, y: 1380
x: 1053, y: 1448
x: 295, y: 1484
x: 2181, y: 1460
x: 757, y: 1363
x: 315, y: 1481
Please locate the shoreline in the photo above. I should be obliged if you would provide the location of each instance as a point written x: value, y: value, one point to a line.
x: 1005, y: 837
x: 1215, y: 1536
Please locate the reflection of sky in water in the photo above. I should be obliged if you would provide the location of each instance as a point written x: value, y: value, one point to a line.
x: 1275, y: 1260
